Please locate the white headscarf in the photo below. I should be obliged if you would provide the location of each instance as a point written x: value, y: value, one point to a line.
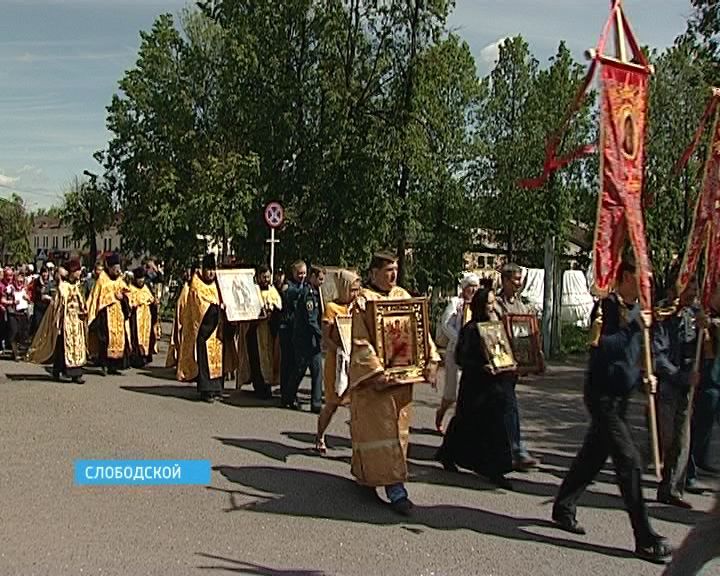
x: 470, y: 279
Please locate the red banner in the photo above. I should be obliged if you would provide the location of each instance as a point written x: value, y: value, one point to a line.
x: 622, y: 138
x: 705, y: 231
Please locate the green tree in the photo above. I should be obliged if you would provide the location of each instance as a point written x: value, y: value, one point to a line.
x: 507, y: 146
x: 678, y: 96
x: 15, y: 227
x: 178, y: 173
x: 88, y: 209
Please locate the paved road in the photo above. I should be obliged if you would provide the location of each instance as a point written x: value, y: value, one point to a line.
x: 276, y: 508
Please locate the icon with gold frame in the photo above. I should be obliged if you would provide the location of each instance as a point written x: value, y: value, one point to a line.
x: 524, y: 335
x: 401, y: 329
x: 496, y: 346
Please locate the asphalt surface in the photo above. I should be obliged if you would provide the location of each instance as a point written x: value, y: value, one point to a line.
x: 274, y: 506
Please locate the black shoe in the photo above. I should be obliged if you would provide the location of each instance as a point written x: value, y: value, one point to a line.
x: 113, y: 372
x: 205, y: 397
x: 291, y: 405
x: 502, y: 482
x: 103, y: 371
x: 403, y: 507
x: 316, y: 409
x: 78, y: 380
x: 671, y: 500
x: 658, y: 552
x: 568, y: 524
x: 264, y: 394
x: 57, y: 377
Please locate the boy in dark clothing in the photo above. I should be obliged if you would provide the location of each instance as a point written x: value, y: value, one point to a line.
x: 613, y: 374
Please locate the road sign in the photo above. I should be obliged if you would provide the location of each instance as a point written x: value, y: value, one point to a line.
x: 41, y: 254
x: 274, y: 215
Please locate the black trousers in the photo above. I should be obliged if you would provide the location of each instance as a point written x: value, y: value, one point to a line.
x: 287, y: 365
x: 609, y: 435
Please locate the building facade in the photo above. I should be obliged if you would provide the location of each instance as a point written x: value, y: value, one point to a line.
x: 51, y: 240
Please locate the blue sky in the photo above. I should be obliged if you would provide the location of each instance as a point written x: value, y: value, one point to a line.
x: 60, y: 61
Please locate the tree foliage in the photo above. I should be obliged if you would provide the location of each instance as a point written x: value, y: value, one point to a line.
x: 87, y: 208
x: 15, y: 226
x: 368, y: 122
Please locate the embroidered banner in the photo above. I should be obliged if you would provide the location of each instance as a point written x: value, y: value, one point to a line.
x: 705, y: 231
x: 622, y: 140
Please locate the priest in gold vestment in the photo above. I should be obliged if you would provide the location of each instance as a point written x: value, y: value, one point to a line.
x: 201, y: 346
x: 380, y: 406
x: 62, y: 334
x: 176, y: 334
x: 143, y: 321
x: 108, y: 310
x: 256, y: 341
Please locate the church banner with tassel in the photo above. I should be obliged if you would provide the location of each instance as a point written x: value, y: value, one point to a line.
x: 705, y: 231
x: 624, y: 96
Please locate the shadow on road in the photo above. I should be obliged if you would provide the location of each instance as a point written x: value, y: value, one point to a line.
x: 183, y: 391
x: 253, y: 569
x: 316, y: 494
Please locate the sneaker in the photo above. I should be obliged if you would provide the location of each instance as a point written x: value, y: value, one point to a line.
x: 658, y: 552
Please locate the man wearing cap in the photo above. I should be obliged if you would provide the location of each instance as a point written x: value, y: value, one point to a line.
x: 108, y: 310
x: 143, y: 321
x: 456, y: 315
x: 380, y: 404
x: 201, y: 347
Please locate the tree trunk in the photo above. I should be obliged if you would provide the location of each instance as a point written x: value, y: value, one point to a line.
x: 401, y: 246
x: 556, y: 331
x: 548, y: 295
x: 93, y: 250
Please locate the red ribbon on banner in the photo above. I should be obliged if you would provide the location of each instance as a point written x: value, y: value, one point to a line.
x: 705, y: 231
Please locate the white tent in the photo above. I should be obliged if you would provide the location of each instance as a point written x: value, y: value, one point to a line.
x: 577, y: 302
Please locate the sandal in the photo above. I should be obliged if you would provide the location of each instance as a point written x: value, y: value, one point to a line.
x: 320, y: 446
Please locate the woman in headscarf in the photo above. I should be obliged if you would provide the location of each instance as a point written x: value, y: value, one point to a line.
x: 453, y: 319
x: 337, y: 357
x: 477, y: 438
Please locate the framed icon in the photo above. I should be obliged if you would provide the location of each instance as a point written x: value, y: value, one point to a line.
x: 402, y: 343
x: 524, y: 335
x: 497, y: 347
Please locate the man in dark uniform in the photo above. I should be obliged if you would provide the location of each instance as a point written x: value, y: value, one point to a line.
x: 307, y: 337
x: 613, y: 374
x: 287, y: 353
x: 675, y: 342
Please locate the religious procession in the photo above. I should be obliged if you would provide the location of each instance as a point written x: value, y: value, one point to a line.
x: 353, y: 341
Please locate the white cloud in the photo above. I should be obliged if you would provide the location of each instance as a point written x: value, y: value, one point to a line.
x: 7, y: 181
x: 489, y: 54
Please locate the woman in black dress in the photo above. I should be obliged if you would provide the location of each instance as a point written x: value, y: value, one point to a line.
x: 477, y: 438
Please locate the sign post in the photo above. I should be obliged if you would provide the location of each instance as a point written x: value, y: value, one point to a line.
x: 274, y: 218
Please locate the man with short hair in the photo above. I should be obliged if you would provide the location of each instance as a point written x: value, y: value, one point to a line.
x: 509, y: 302
x: 287, y: 323
x: 307, y: 337
x: 380, y: 405
x: 614, y: 372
